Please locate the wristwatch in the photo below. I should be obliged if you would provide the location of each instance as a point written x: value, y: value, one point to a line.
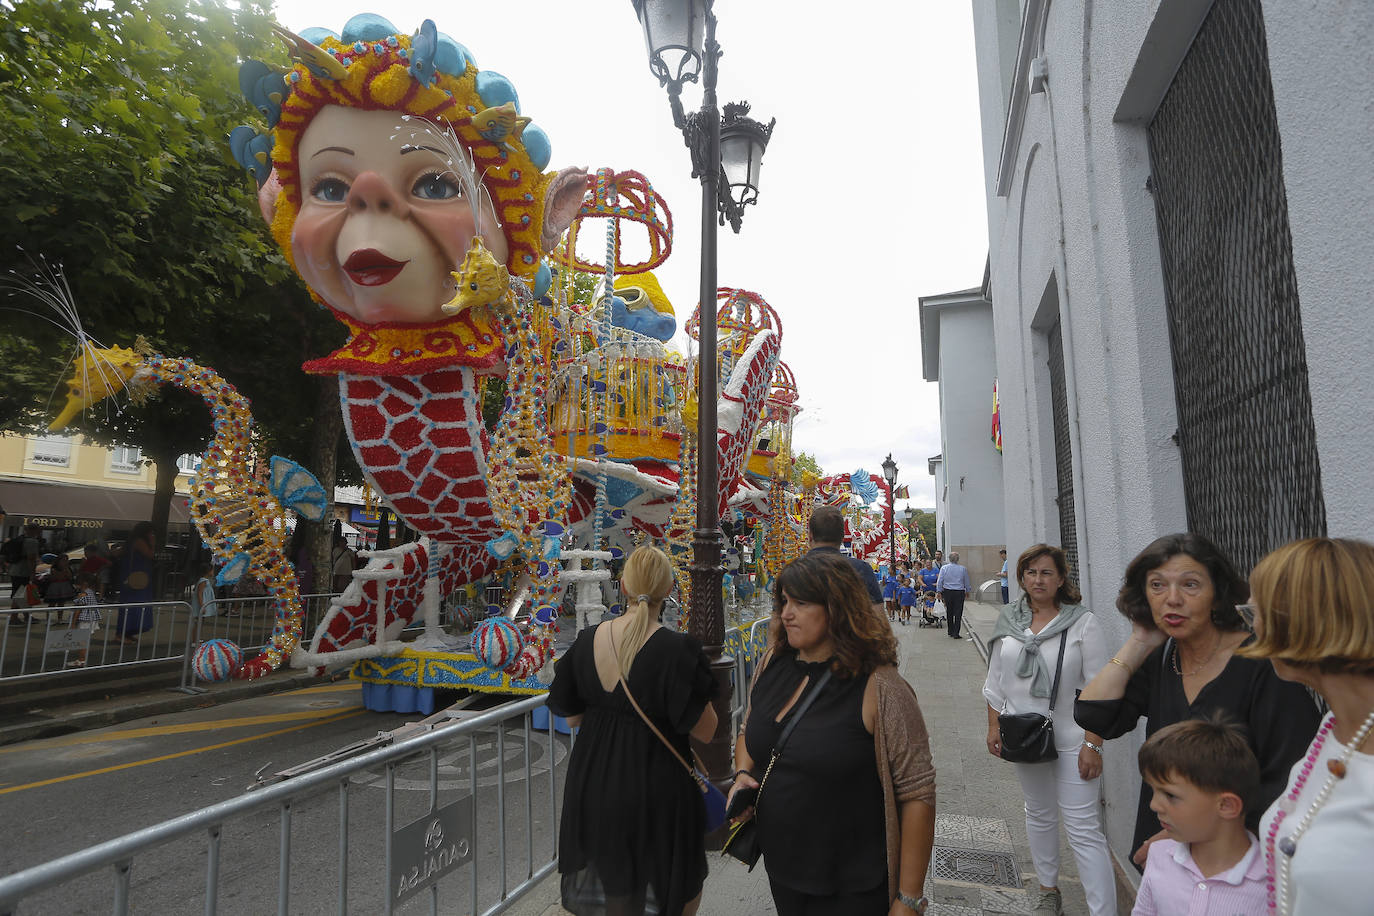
x: 917, y: 906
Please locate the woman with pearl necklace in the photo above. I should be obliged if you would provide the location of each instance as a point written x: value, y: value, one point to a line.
x: 1313, y: 607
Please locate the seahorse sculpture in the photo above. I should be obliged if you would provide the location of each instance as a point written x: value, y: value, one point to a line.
x: 235, y: 513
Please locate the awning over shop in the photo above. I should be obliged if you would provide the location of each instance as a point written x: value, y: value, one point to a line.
x: 56, y: 506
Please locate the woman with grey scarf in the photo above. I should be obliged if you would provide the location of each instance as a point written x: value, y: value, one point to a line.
x: 1022, y: 656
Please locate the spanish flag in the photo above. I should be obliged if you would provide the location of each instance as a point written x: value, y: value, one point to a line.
x: 996, y: 420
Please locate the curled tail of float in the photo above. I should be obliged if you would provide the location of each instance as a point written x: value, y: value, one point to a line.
x: 235, y: 513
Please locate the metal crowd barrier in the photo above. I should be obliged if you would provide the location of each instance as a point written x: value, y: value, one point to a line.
x: 459, y: 847
x: 746, y: 646
x: 47, y: 641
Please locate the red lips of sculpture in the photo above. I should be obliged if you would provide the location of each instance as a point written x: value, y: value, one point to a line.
x: 369, y: 267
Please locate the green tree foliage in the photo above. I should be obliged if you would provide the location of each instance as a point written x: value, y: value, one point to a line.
x: 115, y: 165
x: 801, y: 463
x: 924, y: 522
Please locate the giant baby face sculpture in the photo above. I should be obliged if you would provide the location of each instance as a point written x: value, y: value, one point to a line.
x: 383, y: 219
x: 388, y: 153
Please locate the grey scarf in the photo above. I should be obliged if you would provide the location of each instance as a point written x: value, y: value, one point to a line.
x: 1014, y: 620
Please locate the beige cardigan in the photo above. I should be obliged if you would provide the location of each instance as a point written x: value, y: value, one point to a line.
x: 901, y: 745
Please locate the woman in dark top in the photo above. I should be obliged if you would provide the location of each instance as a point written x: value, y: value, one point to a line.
x: 1180, y: 594
x: 633, y: 833
x: 846, y: 815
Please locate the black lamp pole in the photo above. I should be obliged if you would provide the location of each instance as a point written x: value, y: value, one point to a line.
x: 890, y: 475
x: 663, y: 24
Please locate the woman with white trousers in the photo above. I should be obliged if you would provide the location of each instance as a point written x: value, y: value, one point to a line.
x: 1022, y: 656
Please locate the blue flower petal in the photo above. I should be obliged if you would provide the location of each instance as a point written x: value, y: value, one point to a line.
x: 315, y: 34
x: 495, y: 90
x: 367, y: 27
x: 451, y: 57
x: 537, y: 146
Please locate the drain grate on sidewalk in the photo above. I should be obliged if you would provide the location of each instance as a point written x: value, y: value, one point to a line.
x: 975, y: 866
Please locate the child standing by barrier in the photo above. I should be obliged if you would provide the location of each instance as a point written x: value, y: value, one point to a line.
x: 1203, y: 774
x: 88, y: 618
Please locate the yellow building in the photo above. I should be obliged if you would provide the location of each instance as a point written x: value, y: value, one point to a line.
x: 76, y: 492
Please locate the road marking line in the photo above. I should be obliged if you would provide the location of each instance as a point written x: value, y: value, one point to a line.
x: 325, y: 688
x: 180, y: 728
x: 198, y: 750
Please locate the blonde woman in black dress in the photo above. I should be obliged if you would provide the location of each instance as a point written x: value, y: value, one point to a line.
x: 633, y: 833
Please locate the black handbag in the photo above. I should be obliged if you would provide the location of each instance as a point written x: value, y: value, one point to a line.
x: 743, y: 842
x: 1028, y: 737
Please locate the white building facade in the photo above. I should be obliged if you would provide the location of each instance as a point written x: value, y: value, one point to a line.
x: 1181, y: 254
x: 957, y: 352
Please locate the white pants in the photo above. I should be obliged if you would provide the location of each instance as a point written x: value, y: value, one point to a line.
x: 1054, y: 788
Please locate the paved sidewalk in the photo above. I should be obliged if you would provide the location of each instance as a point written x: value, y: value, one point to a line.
x: 980, y: 814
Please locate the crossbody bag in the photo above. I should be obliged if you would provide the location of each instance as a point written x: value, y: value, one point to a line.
x: 1028, y: 737
x: 711, y: 797
x: 743, y: 843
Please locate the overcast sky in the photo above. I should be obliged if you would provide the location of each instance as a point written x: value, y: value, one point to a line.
x: 871, y: 192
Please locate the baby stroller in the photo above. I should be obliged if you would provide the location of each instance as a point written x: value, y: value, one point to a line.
x: 932, y: 610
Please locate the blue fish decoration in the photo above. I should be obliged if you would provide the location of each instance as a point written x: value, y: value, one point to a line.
x: 264, y: 89
x: 546, y: 615
x: 424, y: 45
x: 253, y: 151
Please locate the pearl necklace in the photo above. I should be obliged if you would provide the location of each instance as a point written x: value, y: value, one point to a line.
x: 1288, y: 845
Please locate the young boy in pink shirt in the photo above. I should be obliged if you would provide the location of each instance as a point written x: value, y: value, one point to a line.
x: 1203, y: 774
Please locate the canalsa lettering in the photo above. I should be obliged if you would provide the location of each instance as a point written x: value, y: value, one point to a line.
x: 434, y: 862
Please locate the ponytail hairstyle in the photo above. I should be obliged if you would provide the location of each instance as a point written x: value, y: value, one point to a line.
x: 646, y: 580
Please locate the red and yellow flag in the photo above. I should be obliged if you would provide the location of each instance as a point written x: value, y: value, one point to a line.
x: 996, y: 419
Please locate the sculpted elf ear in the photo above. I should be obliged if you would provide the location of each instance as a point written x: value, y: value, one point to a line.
x: 561, y: 203
x: 267, y: 197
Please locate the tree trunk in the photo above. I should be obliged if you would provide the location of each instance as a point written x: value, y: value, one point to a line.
x: 165, y: 469
x: 324, y: 464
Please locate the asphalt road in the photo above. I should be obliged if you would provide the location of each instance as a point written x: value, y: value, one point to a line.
x: 60, y: 795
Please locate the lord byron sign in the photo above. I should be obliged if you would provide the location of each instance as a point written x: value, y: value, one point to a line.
x: 426, y: 850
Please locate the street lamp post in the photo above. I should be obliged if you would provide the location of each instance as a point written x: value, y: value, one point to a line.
x: 890, y: 475
x: 680, y: 36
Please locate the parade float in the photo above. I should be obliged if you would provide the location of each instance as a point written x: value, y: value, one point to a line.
x: 408, y: 190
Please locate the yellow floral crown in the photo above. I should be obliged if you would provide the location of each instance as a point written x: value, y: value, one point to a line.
x: 427, y: 76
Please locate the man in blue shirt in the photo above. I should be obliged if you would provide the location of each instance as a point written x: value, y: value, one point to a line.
x: 827, y: 533
x: 953, y: 586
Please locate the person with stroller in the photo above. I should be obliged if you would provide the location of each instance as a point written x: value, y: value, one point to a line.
x: 929, y: 575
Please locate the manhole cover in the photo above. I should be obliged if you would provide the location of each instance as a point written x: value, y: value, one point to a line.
x: 976, y: 866
x: 324, y: 704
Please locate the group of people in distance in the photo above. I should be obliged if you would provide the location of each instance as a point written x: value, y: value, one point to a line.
x: 905, y: 588
x: 1254, y: 798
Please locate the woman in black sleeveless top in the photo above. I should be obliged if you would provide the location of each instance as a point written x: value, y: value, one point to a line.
x: 846, y: 817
